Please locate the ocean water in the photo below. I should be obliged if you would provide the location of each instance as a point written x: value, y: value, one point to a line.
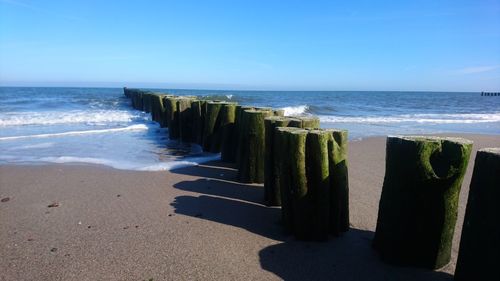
x: 98, y: 125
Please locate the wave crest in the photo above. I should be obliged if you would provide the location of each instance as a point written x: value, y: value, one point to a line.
x: 137, y: 127
x: 467, y: 118
x: 69, y: 117
x: 295, y: 110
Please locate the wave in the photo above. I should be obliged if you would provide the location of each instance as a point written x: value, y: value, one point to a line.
x: 467, y: 118
x: 323, y: 109
x: 221, y: 97
x: 68, y: 117
x: 32, y: 146
x: 121, y: 165
x: 295, y: 110
x: 176, y: 164
x: 138, y: 127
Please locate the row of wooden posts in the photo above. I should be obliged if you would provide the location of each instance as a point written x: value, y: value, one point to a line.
x: 490, y: 94
x: 304, y: 170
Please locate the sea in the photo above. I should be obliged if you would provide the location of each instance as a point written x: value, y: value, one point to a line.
x: 99, y: 126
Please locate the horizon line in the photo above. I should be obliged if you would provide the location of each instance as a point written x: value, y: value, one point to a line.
x: 222, y: 88
x: 243, y: 90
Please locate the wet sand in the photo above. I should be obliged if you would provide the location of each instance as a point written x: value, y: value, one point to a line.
x: 194, y: 223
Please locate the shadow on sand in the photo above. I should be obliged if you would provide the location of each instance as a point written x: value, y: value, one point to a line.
x: 349, y: 257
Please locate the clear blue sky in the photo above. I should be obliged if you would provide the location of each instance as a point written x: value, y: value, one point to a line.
x: 288, y: 45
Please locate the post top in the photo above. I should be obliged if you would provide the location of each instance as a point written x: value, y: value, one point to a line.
x: 432, y: 138
x: 492, y: 150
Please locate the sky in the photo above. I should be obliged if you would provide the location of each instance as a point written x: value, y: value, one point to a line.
x: 428, y: 45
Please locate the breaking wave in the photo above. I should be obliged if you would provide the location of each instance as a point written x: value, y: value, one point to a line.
x: 137, y: 127
x: 70, y: 117
x: 468, y: 118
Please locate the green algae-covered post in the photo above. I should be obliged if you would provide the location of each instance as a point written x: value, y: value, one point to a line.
x: 155, y: 106
x: 198, y: 118
x: 211, y: 134
x: 271, y: 193
x: 251, y: 163
x: 419, y: 201
x: 309, y: 122
x: 289, y: 122
x: 296, y: 191
x: 238, y: 131
x: 310, y: 172
x: 282, y: 172
x: 146, y: 101
x: 127, y: 92
x: 172, y: 116
x: 339, y: 181
x: 137, y: 100
x: 294, y: 122
x: 227, y: 118
x: 312, y: 202
x: 185, y: 119
x: 162, y: 118
x: 157, y: 109
x: 479, y: 253
x: 133, y: 97
x: 279, y: 112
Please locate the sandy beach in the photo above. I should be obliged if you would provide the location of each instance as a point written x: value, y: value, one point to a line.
x: 194, y: 223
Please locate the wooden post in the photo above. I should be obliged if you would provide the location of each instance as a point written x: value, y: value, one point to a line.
x: 271, y: 193
x: 279, y: 112
x: 137, y: 100
x: 146, y: 101
x: 309, y: 122
x: 251, y: 166
x: 339, y: 181
x: 172, y: 117
x: 478, y: 257
x: 211, y: 133
x: 198, y: 119
x: 282, y: 173
x: 418, y: 206
x: 185, y: 119
x: 238, y: 131
x: 228, y: 115
x: 157, y: 109
x: 312, y: 197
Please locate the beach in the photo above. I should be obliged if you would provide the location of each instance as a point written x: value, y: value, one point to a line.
x: 192, y: 223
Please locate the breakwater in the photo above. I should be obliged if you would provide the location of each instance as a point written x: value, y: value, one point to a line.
x: 304, y: 170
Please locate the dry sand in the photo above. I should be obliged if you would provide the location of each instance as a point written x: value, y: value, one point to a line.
x: 193, y: 223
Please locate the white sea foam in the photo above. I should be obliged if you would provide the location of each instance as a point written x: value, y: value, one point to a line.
x: 32, y: 146
x: 187, y: 162
x: 295, y: 110
x: 137, y: 127
x: 416, y: 118
x: 68, y: 117
x: 123, y: 165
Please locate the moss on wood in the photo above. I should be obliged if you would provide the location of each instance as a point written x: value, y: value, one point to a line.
x: 418, y: 206
x: 282, y: 172
x: 198, y: 120
x: 172, y: 116
x: 185, y: 119
x: 339, y: 181
x: 251, y: 165
x: 228, y: 116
